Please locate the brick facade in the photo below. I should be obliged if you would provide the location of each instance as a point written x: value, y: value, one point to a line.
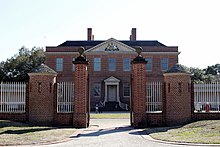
x: 178, y: 98
x: 80, y: 115
x: 97, y: 49
x: 41, y: 98
x: 138, y: 101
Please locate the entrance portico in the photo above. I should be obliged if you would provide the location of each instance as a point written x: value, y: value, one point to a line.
x: 112, y: 90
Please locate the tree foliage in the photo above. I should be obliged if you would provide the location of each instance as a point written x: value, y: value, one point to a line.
x: 207, y: 75
x: 17, y: 67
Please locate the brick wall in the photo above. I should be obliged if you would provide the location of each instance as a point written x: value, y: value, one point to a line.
x: 205, y: 116
x: 41, y: 98
x: 80, y: 115
x: 139, y: 94
x: 178, y: 98
x: 155, y: 119
x: 63, y: 119
x: 14, y: 116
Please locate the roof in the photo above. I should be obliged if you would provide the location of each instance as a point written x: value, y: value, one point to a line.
x: 127, y: 42
x: 43, y: 69
x: 177, y: 68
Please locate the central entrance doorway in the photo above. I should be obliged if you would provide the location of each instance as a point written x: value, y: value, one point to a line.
x: 112, y: 93
x: 112, y: 90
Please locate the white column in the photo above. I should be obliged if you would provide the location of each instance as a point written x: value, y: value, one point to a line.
x: 106, y: 92
x: 118, y: 93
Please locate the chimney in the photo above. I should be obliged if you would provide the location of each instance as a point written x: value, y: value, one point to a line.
x: 133, y: 34
x: 89, y: 34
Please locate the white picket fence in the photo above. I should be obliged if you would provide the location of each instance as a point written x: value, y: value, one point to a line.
x: 65, y: 97
x: 154, y: 97
x: 12, y: 97
x: 207, y: 97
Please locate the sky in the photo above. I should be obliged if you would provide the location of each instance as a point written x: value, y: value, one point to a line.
x: 192, y: 25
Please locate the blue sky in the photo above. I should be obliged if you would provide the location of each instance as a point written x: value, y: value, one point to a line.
x: 192, y: 25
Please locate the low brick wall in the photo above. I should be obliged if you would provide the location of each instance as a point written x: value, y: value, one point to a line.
x: 63, y: 119
x: 205, y: 116
x: 22, y: 117
x: 155, y: 119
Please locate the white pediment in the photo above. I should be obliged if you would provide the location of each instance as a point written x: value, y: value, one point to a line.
x: 111, y: 46
x: 111, y: 80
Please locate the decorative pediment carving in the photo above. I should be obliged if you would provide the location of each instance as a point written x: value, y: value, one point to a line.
x: 112, y: 47
x: 109, y: 46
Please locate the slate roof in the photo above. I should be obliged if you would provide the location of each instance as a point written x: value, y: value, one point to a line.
x: 177, y: 68
x: 96, y: 42
x: 43, y: 69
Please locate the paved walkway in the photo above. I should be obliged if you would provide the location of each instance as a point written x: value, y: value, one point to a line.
x: 111, y: 133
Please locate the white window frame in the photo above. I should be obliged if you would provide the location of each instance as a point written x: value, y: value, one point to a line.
x: 59, y: 64
x: 126, y: 85
x: 126, y: 64
x: 112, y: 64
x: 97, y: 64
x: 164, y: 62
x: 99, y: 90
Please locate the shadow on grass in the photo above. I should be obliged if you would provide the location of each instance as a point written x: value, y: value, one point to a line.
x: 23, y: 131
x: 8, y: 123
x: 149, y: 131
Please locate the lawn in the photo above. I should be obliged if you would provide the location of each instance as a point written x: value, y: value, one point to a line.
x: 124, y: 115
x: 207, y: 132
x: 14, y: 133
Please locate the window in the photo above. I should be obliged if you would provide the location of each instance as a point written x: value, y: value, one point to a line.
x: 164, y: 64
x: 59, y: 64
x: 97, y: 89
x: 126, y: 89
x: 97, y: 64
x: 73, y: 65
x: 111, y: 64
x: 126, y: 64
x: 149, y: 64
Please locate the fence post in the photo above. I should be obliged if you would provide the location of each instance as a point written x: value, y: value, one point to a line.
x: 139, y: 91
x: 81, y: 114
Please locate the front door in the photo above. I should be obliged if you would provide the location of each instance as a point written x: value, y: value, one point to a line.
x: 112, y: 93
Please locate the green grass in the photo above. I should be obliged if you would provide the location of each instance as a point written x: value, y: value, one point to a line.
x: 110, y: 115
x: 207, y: 132
x: 14, y: 133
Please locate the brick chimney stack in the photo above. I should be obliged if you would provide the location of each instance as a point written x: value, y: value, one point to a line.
x: 133, y: 34
x: 89, y: 34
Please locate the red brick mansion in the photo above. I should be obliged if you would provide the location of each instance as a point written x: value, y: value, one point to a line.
x: 109, y: 65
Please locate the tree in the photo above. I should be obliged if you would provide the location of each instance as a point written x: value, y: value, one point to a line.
x: 207, y: 75
x: 17, y: 67
x: 1, y: 70
x: 197, y: 75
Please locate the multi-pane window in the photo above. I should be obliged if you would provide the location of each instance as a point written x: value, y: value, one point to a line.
x: 111, y: 64
x: 59, y: 64
x: 126, y: 64
x: 97, y: 89
x: 126, y: 89
x: 149, y: 64
x: 97, y: 64
x: 164, y: 64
